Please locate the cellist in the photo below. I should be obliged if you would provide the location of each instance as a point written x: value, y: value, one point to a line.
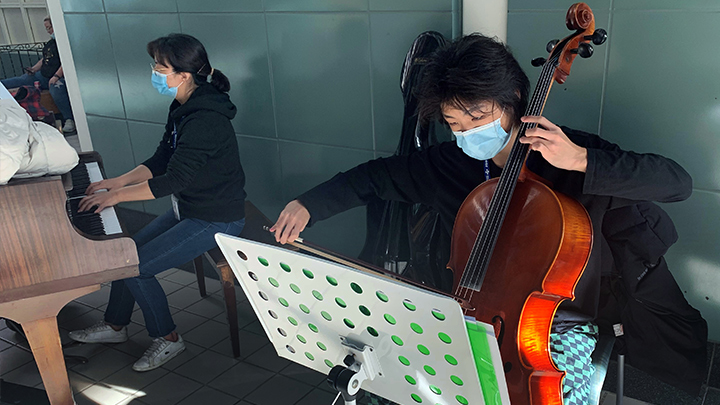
x: 478, y: 89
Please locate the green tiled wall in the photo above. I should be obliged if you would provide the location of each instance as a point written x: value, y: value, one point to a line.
x: 653, y: 87
x: 316, y: 83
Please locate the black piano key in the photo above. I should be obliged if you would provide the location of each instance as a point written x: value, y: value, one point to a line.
x: 80, y: 180
x: 88, y: 221
x: 91, y: 225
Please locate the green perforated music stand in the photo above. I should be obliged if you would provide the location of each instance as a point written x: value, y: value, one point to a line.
x: 367, y: 331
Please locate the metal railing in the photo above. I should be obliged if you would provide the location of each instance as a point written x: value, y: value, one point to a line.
x: 14, y: 58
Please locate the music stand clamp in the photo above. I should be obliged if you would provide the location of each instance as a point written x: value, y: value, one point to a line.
x: 367, y: 331
x: 360, y: 365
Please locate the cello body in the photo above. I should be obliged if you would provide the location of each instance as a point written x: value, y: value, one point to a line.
x: 540, y: 254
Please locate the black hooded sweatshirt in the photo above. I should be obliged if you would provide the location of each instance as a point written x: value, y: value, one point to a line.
x: 201, y: 164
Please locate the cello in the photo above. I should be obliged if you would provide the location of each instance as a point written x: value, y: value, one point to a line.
x: 519, y: 248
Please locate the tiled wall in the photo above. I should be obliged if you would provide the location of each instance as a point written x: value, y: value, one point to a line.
x: 653, y: 87
x: 316, y: 83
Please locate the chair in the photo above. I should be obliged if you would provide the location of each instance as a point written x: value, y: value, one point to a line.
x: 601, y: 359
x: 253, y: 230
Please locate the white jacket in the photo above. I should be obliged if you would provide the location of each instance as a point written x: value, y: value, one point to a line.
x: 30, y: 148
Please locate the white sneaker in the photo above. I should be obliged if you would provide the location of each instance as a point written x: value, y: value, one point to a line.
x: 69, y: 126
x: 160, y: 352
x: 100, y: 333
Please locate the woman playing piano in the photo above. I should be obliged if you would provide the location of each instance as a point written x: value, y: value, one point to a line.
x: 197, y: 163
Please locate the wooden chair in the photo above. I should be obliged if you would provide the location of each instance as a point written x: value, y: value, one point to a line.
x: 254, y: 222
x: 47, y: 101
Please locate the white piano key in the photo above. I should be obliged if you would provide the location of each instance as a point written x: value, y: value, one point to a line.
x: 108, y: 215
x: 93, y: 170
x: 110, y: 221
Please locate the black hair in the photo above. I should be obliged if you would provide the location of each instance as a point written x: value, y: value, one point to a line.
x: 470, y: 70
x: 184, y: 53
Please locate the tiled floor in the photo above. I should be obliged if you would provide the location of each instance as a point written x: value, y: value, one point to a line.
x: 206, y: 373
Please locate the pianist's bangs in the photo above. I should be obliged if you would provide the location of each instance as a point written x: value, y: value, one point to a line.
x: 165, y: 51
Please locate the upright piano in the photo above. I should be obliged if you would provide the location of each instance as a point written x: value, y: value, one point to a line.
x: 51, y: 255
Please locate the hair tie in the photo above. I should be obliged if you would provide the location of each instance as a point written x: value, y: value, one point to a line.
x: 209, y: 78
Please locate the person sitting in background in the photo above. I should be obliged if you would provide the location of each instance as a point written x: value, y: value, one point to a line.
x: 49, y: 73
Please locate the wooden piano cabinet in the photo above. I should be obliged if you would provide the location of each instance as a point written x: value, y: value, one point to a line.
x: 46, y: 263
x: 40, y: 250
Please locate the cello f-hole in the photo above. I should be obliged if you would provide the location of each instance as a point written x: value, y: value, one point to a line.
x: 499, y: 324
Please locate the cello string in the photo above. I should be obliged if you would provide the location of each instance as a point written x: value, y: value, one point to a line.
x: 480, y: 251
x: 492, y: 215
x: 507, y: 186
x: 493, y: 218
x: 507, y: 183
x: 509, y: 173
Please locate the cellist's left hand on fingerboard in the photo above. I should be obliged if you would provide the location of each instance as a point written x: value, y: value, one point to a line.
x: 549, y: 139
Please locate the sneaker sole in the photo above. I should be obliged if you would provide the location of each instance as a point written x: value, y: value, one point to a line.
x: 159, y: 365
x: 81, y: 340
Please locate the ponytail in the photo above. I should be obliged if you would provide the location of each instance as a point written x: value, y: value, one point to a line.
x: 219, y: 81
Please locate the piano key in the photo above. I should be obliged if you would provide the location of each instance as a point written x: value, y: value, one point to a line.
x: 106, y: 221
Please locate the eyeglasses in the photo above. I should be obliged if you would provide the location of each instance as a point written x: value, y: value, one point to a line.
x: 154, y: 67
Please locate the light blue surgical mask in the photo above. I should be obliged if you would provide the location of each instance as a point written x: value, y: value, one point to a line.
x: 159, y: 81
x: 483, y: 142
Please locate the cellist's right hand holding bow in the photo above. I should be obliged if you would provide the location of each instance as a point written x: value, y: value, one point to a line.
x: 291, y: 221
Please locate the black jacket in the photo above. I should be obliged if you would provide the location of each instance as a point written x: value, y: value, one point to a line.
x: 661, y: 333
x: 50, y: 60
x: 201, y: 167
x: 442, y: 176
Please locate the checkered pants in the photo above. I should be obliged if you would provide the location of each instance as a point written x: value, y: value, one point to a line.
x: 570, y: 351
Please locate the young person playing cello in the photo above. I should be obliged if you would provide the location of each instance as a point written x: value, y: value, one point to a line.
x: 477, y: 87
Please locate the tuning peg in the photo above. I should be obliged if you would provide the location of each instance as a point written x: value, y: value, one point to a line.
x: 584, y: 50
x: 537, y: 62
x: 551, y: 45
x: 598, y: 37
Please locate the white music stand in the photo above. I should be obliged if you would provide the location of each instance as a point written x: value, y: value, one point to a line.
x: 367, y: 331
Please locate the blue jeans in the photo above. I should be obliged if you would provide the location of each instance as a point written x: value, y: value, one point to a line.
x: 163, y: 244
x: 58, y: 91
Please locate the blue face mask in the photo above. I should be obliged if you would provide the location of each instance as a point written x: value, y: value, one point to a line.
x: 52, y: 35
x: 159, y: 81
x: 483, y: 142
